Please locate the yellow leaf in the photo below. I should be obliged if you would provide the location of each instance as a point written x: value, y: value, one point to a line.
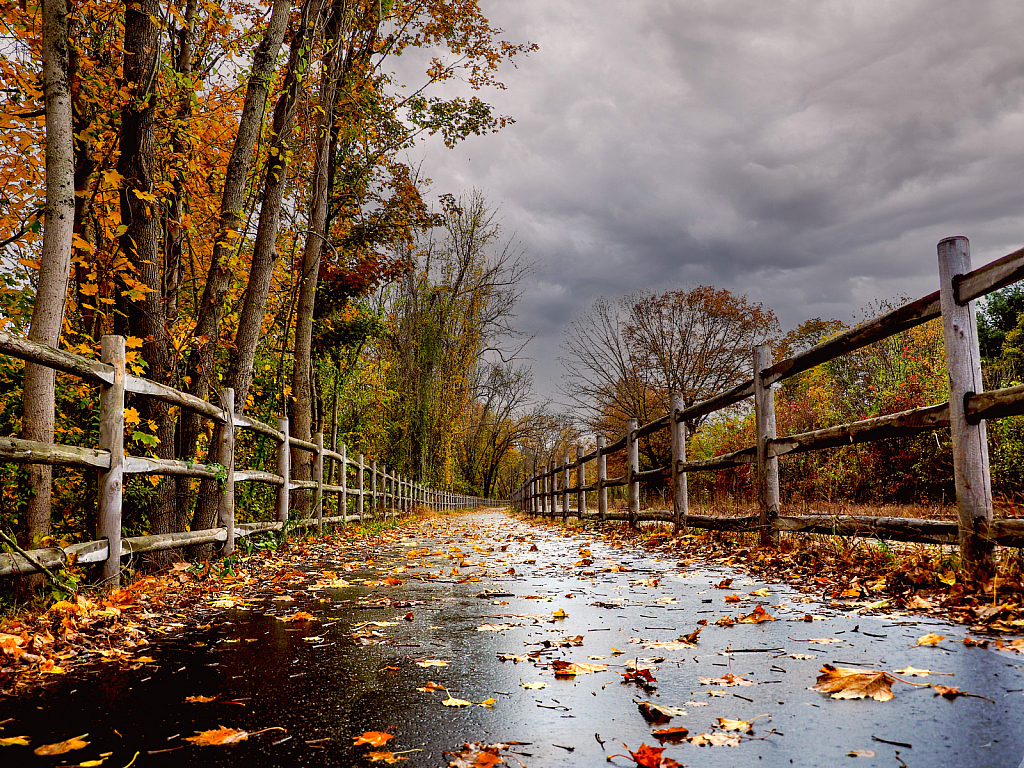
x: 432, y: 663
x: 844, y: 683
x: 133, y: 342
x: 131, y: 417
x: 14, y: 741
x: 488, y: 703
x: 559, y: 614
x: 451, y: 701
x: 930, y: 639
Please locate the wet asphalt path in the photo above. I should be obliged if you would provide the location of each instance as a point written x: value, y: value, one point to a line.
x: 324, y: 691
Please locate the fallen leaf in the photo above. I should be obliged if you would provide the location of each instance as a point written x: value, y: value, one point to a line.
x: 373, y: 738
x: 62, y: 747
x: 559, y: 614
x: 860, y: 753
x: 758, y: 615
x: 843, y: 683
x: 432, y: 663
x: 451, y: 701
x: 298, y: 616
x: 14, y: 741
x: 218, y: 737
x: 533, y: 686
x: 659, y: 713
x: 488, y: 703
x: 431, y: 686
x: 824, y: 640
x: 726, y: 680
x: 672, y: 735
x: 715, y: 740
x: 743, y: 726
x: 930, y: 639
x: 512, y: 657
x: 915, y: 672
x: 199, y: 699
x: 801, y: 656
x: 495, y: 627
x: 384, y: 757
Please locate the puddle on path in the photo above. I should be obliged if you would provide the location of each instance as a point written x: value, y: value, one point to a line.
x: 268, y: 673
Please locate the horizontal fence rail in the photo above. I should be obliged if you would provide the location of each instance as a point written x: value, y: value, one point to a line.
x: 375, y: 494
x: 548, y: 491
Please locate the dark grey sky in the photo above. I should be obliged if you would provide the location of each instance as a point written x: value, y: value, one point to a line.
x: 809, y: 154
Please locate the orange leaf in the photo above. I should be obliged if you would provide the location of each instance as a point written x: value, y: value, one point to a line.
x: 218, y: 737
x: 373, y: 738
x: 62, y: 746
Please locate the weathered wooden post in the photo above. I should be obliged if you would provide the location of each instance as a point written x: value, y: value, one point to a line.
x: 581, y: 480
x: 343, y: 498
x: 542, y: 486
x: 971, y: 472
x: 553, y: 486
x: 567, y: 464
x: 680, y: 501
x: 318, y: 478
x: 360, y: 502
x: 602, y: 476
x: 111, y: 481
x: 374, y: 507
x: 226, y: 458
x: 633, y: 446
x: 284, y: 463
x: 767, y: 465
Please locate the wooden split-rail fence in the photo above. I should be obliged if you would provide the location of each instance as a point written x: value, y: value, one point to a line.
x: 551, y: 490
x: 376, y: 493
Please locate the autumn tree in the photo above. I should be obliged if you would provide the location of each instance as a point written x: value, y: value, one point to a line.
x: 453, y: 307
x: 623, y: 359
x: 55, y: 258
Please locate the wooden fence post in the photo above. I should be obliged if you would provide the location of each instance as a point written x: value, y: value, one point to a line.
x: 318, y: 476
x: 581, y: 480
x: 374, y: 506
x: 542, y: 487
x: 767, y: 465
x: 565, y: 487
x: 634, y: 467
x: 971, y: 473
x: 284, y: 463
x: 553, y: 487
x: 226, y: 458
x: 111, y: 482
x: 343, y: 497
x: 359, y: 488
x: 680, y: 499
x: 602, y: 475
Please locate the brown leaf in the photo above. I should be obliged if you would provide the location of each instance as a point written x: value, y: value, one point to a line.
x: 658, y: 713
x: 61, y: 747
x: 715, y: 740
x: 930, y: 639
x: 759, y: 614
x: 843, y: 683
x: 673, y: 735
x: 199, y: 699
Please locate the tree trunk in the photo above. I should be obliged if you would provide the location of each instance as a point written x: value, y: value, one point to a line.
x: 202, y: 362
x: 309, y: 268
x: 55, y: 261
x: 261, y: 270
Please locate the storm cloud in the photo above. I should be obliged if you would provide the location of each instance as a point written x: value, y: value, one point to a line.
x: 807, y: 154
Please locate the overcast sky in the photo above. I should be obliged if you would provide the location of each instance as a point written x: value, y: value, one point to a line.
x: 809, y: 154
